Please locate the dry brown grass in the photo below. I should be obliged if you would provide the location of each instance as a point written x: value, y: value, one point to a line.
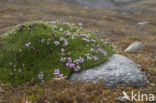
x: 63, y: 91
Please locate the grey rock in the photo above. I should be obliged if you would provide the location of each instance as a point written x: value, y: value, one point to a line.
x: 118, y: 70
x: 135, y: 46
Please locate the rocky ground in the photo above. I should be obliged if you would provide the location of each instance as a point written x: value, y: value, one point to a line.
x: 119, y: 26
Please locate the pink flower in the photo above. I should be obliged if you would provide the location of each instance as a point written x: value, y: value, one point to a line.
x: 56, y: 43
x: 104, y: 53
x: 67, y: 64
x: 93, y: 40
x: 71, y: 65
x: 89, y: 58
x: 95, y: 58
x: 85, y: 39
x: 28, y: 44
x: 61, y: 75
x: 40, y: 76
x: 62, y: 39
x: 69, y: 59
x: 66, y: 43
x: 100, y: 50
x: 81, y: 60
x: 56, y: 71
x: 76, y: 61
x: 62, y: 50
x: 84, y: 35
x: 77, y: 68
x: 42, y: 41
x: 91, y: 49
x: 63, y: 59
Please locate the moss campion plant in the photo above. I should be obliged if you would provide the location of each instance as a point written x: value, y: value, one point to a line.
x: 40, y: 51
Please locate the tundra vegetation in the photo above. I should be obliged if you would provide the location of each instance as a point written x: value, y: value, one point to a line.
x: 39, y: 51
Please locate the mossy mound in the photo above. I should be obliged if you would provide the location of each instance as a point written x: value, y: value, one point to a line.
x: 39, y: 51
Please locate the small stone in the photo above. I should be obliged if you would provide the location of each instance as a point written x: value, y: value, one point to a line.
x: 135, y: 46
x: 143, y: 23
x: 80, y: 24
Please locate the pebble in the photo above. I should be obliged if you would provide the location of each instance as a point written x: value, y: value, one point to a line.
x: 135, y: 46
x: 143, y: 23
x: 80, y: 24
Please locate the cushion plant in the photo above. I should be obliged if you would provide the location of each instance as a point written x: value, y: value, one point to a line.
x: 39, y: 51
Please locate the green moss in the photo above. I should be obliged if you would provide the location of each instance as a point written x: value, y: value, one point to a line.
x: 20, y: 64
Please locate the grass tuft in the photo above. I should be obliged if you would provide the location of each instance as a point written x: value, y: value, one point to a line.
x: 39, y: 51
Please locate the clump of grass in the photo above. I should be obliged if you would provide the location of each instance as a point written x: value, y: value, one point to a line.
x: 39, y: 51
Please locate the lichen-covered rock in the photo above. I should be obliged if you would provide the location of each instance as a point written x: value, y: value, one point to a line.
x: 118, y: 70
x: 135, y: 46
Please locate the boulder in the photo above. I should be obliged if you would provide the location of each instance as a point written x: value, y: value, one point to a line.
x: 135, y: 46
x: 118, y: 70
